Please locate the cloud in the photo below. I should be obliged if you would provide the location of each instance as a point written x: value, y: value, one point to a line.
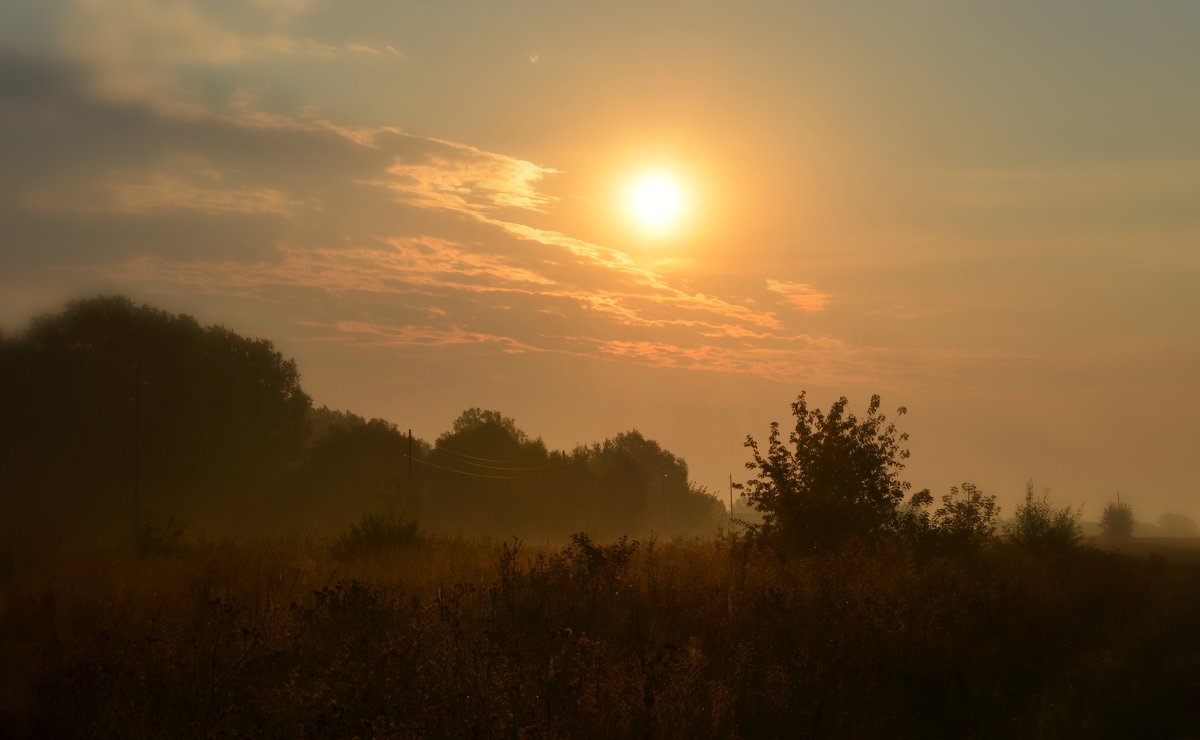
x: 462, y: 178
x: 801, y: 295
x: 387, y: 50
x: 408, y: 241
x: 410, y: 335
x: 132, y: 194
x: 140, y: 48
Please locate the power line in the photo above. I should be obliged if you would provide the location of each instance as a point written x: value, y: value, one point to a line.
x: 474, y: 457
x: 475, y: 475
x: 537, y: 469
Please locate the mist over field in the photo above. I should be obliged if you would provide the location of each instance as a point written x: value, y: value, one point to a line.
x: 193, y: 548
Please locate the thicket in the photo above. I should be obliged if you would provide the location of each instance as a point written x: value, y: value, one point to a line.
x: 716, y: 638
x: 836, y: 479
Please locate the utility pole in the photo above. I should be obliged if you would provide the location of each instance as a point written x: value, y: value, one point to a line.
x: 731, y: 497
x: 410, y: 465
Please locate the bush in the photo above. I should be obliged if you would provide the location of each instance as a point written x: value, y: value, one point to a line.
x: 1039, y: 526
x: 375, y: 533
x: 966, y: 518
x: 967, y: 515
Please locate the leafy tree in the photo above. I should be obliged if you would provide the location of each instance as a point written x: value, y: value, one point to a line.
x: 1039, y: 526
x: 835, y: 477
x: 967, y: 518
x: 109, y: 395
x: 486, y: 475
x: 1117, y: 520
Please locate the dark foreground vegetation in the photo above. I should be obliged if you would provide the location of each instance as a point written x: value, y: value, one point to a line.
x: 850, y: 606
x: 717, y: 638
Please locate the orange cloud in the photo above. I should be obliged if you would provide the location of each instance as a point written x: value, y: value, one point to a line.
x: 134, y: 194
x: 409, y: 335
x: 801, y: 295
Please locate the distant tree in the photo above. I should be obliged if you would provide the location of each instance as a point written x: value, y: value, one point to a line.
x: 1038, y: 526
x: 1177, y: 525
x: 352, y: 466
x: 836, y: 476
x: 1117, y: 521
x: 630, y: 484
x: 487, y: 475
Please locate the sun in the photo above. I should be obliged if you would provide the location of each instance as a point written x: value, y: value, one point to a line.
x: 656, y: 201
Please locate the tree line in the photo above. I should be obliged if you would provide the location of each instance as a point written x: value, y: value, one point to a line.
x: 118, y: 412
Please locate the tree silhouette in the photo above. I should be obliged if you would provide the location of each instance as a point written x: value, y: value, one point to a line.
x: 1117, y: 520
x: 1177, y: 525
x: 1039, y: 526
x: 110, y: 395
x: 966, y: 519
x: 836, y: 476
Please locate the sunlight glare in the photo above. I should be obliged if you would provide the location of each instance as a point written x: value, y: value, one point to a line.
x: 656, y: 201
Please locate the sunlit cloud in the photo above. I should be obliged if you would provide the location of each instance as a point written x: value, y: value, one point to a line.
x: 381, y: 335
x: 471, y: 272
x: 801, y: 295
x: 387, y: 50
x: 463, y: 178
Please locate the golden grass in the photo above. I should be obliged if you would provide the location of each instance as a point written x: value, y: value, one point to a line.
x: 698, y: 638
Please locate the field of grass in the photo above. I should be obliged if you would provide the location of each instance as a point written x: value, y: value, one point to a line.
x: 697, y: 638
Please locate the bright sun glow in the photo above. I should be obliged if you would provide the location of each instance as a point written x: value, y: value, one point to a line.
x: 656, y: 201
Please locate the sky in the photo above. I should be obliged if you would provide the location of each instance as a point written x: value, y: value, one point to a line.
x: 988, y: 213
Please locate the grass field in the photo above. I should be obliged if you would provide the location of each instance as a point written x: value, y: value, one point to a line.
x: 698, y: 638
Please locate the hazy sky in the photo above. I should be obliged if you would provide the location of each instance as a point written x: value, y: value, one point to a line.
x: 987, y: 212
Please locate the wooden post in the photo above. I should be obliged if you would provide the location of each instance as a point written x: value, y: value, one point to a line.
x: 731, y: 497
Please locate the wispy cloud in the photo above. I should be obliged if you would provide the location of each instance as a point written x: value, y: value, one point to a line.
x: 801, y: 295
x: 137, y: 46
x: 462, y: 178
x: 375, y: 216
x: 367, y: 49
x: 410, y: 335
x: 132, y: 194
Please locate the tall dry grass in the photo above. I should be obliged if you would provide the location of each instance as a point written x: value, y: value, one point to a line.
x: 698, y: 638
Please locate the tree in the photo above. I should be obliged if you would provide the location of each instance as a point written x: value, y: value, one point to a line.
x: 351, y: 466
x: 1038, y: 526
x: 1177, y: 525
x: 967, y: 515
x: 486, y: 474
x: 1117, y: 520
x: 108, y: 397
x: 836, y: 477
